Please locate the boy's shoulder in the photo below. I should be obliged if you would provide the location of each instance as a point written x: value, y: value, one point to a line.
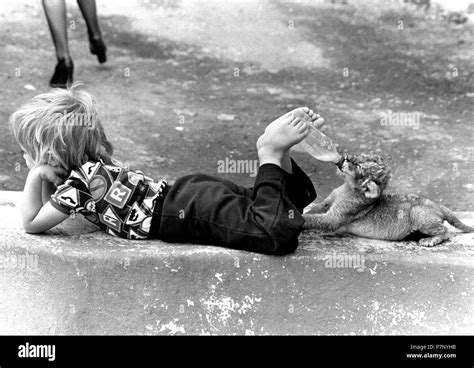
x: 97, y: 169
x: 99, y: 173
x: 93, y: 180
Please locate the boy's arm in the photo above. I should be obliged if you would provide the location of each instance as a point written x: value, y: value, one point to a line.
x: 47, y: 190
x: 35, y: 216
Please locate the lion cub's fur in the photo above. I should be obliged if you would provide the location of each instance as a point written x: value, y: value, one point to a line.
x: 360, y: 207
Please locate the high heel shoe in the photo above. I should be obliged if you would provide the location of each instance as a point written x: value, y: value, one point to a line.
x: 63, y: 74
x: 98, y: 48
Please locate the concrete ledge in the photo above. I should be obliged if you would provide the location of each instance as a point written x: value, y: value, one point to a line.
x: 76, y: 280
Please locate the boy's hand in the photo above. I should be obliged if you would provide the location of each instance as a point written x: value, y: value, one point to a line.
x: 54, y: 175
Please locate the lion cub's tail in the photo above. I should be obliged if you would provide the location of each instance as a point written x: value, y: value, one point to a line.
x: 453, y: 220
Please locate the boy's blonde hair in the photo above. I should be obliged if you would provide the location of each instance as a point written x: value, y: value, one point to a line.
x: 61, y: 127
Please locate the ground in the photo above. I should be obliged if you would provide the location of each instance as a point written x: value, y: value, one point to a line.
x: 189, y: 83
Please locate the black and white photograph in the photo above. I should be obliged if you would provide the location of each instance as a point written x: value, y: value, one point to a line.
x: 249, y: 169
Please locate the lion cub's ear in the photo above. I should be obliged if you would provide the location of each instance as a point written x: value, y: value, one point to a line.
x: 372, y: 190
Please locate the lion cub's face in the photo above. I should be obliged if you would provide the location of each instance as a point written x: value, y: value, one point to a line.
x: 348, y: 170
x: 366, y: 173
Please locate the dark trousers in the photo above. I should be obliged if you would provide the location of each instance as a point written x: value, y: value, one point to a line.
x: 267, y: 218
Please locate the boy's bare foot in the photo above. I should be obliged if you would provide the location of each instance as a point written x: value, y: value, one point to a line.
x: 300, y: 112
x: 315, y: 119
x: 279, y: 136
x: 305, y: 114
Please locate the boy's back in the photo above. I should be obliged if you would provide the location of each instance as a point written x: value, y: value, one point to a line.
x: 118, y: 200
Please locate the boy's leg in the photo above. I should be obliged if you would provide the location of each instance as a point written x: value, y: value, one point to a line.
x: 213, y: 214
x: 202, y: 209
x: 299, y: 187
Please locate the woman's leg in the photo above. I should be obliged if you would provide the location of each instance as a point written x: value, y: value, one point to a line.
x: 89, y: 12
x: 55, y: 11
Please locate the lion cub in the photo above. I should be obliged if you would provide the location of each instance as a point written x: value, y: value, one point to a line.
x: 360, y: 207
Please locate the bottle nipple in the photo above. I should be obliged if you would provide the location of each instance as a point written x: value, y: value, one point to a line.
x: 340, y: 163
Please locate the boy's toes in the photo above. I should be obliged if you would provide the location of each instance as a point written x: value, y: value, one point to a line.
x: 318, y: 117
x: 302, y: 127
x: 289, y: 119
x: 295, y: 121
x: 299, y: 124
x: 318, y: 123
x: 301, y: 112
x: 303, y: 131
